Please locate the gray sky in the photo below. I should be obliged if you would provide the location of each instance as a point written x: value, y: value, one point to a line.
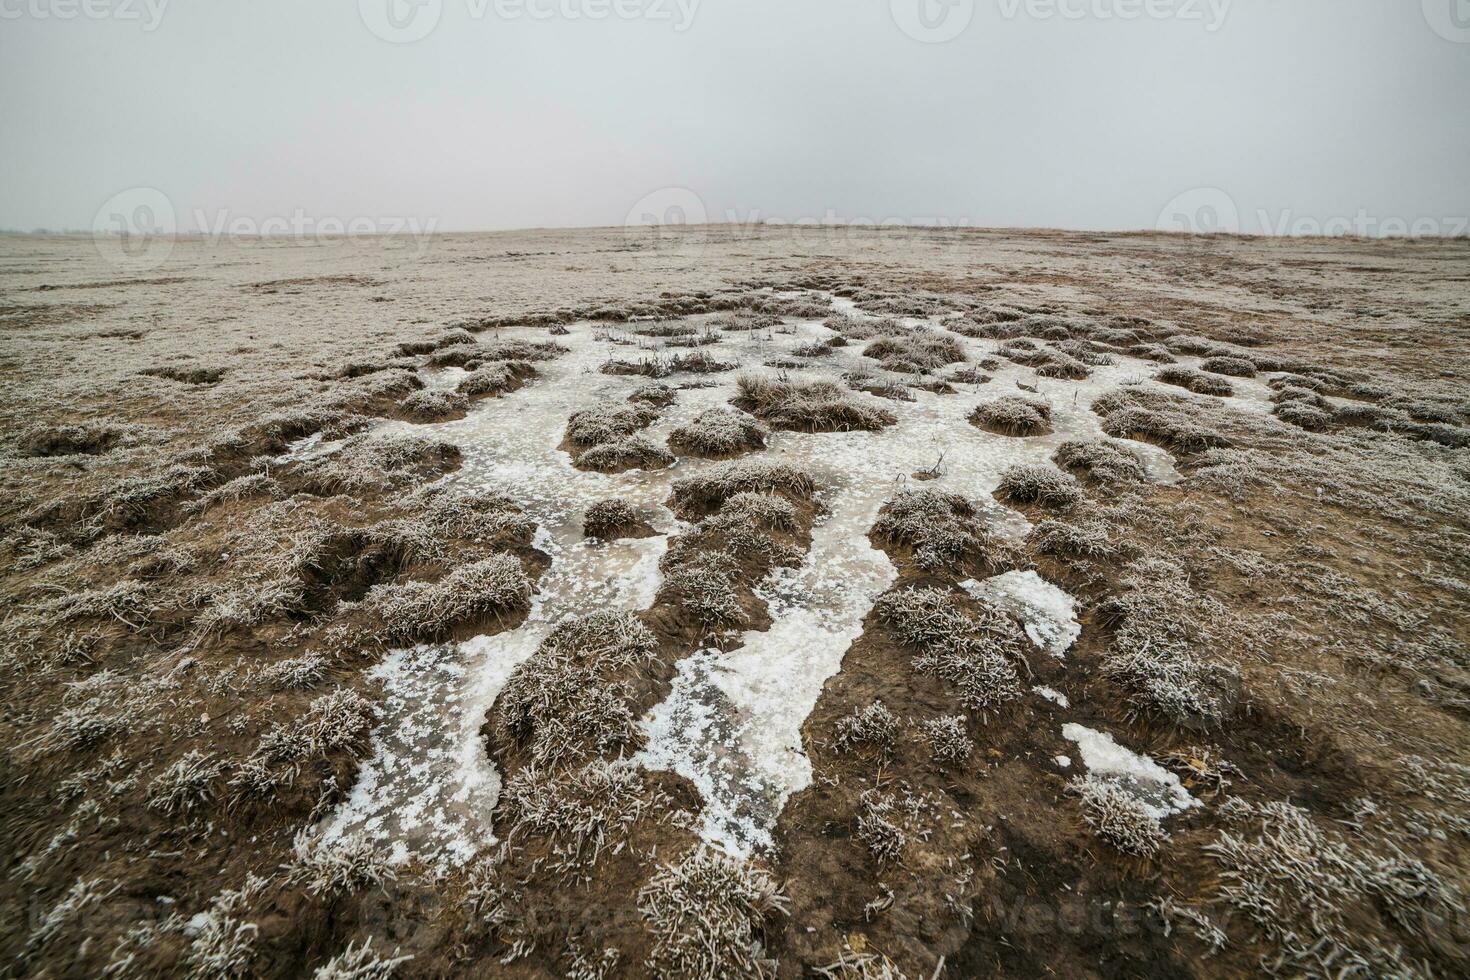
x: 1037, y: 113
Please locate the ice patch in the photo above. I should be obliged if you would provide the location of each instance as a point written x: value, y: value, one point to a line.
x: 732, y: 721
x: 1047, y: 613
x: 1153, y: 785
x: 1051, y: 694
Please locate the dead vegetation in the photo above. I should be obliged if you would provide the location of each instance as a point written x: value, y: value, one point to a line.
x: 941, y: 532
x: 818, y: 406
x: 613, y: 519
x: 975, y: 652
x: 1039, y: 484
x: 605, y: 439
x: 719, y: 433
x: 1013, y: 415
x: 570, y: 700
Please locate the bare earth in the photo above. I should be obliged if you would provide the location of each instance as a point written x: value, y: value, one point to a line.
x: 719, y: 603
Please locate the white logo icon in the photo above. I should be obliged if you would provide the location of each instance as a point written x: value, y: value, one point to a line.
x: 135, y: 229
x: 401, y: 21
x: 1450, y: 19
x: 1201, y: 211
x: 932, y: 21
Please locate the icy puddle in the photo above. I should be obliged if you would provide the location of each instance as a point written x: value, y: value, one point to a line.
x: 1138, y: 775
x: 1047, y: 613
x: 732, y: 721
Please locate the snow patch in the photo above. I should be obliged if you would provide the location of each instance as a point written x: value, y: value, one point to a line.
x: 1153, y: 785
x: 1047, y: 613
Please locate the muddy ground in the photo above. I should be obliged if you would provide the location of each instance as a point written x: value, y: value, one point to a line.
x: 720, y: 602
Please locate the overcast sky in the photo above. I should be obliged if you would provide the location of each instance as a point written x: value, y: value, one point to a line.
x: 1274, y: 114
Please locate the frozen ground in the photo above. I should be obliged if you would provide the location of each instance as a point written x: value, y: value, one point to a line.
x: 1262, y: 641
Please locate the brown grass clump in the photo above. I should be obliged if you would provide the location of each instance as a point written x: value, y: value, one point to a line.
x: 422, y: 612
x: 1103, y: 461
x: 704, y: 585
x: 1195, y: 381
x: 719, y: 432
x: 620, y: 455
x: 656, y: 395
x: 974, y: 654
x: 1047, y: 363
x: 1171, y: 421
x: 710, y: 916
x: 949, y: 740
x: 1013, y: 415
x: 1031, y: 483
x: 495, y: 379
x: 1326, y: 902
x: 365, y: 463
x: 871, y: 727
x: 1236, y: 367
x: 605, y: 423
x: 942, y: 531
x: 696, y: 495
x: 1159, y: 623
x: 612, y: 519
x: 572, y: 698
x: 817, y: 406
x: 433, y: 406
x: 744, y: 320
x: 1119, y: 817
x: 918, y: 352
x: 87, y: 439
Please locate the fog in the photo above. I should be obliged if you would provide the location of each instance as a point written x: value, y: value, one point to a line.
x: 1261, y: 115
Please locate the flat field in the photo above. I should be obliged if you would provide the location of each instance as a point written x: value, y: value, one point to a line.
x: 757, y: 602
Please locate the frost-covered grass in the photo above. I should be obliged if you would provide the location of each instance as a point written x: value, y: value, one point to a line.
x: 1119, y: 817
x: 941, y: 528
x: 949, y: 740
x: 607, y: 519
x: 606, y: 423
x: 1195, y: 381
x: 341, y: 866
x: 920, y: 351
x: 816, y: 406
x: 630, y: 452
x: 1159, y: 624
x: 711, y: 488
x: 1038, y: 483
x: 412, y: 612
x: 1172, y: 421
x: 719, y: 432
x: 974, y: 654
x: 871, y: 727
x: 1013, y: 415
x: 709, y: 915
x: 1328, y: 902
x: 1237, y: 367
x: 571, y: 697
x: 1105, y: 461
